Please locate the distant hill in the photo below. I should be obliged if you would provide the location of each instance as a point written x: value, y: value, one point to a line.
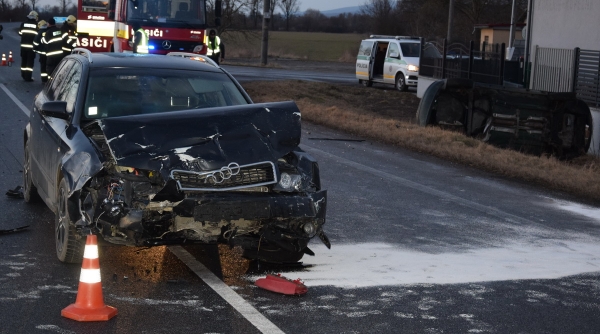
x: 336, y: 12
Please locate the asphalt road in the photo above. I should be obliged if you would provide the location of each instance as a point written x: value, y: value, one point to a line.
x: 420, y: 245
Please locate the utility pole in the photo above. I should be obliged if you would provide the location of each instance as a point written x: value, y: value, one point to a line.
x: 450, y: 20
x: 511, y: 36
x: 265, y: 31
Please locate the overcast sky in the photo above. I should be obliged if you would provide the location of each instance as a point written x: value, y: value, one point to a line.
x: 329, y: 4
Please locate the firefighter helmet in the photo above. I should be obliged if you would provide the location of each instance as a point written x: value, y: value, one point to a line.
x: 42, y: 24
x: 33, y: 15
x: 71, y: 19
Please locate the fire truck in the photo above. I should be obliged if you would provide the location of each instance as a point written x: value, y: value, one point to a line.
x: 172, y: 25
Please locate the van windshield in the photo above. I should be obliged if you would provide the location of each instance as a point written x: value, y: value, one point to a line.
x: 410, y: 49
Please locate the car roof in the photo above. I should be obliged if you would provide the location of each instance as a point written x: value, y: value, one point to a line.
x: 392, y: 40
x: 149, y: 61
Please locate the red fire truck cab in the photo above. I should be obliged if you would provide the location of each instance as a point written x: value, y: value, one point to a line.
x: 172, y: 25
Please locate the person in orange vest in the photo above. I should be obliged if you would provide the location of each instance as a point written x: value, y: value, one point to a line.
x: 28, y: 32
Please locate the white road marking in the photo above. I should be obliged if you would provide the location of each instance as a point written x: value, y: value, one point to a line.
x: 15, y: 100
x: 246, y: 310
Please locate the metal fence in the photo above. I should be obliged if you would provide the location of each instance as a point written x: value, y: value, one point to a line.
x: 553, y: 70
x: 587, y: 76
x: 459, y: 61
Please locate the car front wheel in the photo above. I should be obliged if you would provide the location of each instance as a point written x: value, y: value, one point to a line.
x: 69, y: 245
x: 366, y: 83
x: 30, y: 194
x: 400, y: 82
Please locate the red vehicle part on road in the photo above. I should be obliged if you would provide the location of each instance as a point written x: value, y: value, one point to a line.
x: 282, y: 285
x: 172, y: 26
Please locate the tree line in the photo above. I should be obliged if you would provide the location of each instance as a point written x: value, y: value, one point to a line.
x: 424, y: 18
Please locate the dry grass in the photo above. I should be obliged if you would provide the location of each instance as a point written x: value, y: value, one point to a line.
x: 338, y: 108
x: 294, y: 45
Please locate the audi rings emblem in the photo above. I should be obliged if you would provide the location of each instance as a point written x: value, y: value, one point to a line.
x: 166, y: 45
x: 225, y: 173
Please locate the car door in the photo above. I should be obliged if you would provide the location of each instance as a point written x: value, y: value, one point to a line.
x: 392, y: 63
x: 364, y: 60
x: 42, y: 134
x: 67, y: 92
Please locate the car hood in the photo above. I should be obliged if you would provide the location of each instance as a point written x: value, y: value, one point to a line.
x: 412, y: 60
x: 204, y: 139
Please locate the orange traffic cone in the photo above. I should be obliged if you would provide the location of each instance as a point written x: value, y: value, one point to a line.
x: 89, y: 305
x: 10, y: 58
x: 3, y: 60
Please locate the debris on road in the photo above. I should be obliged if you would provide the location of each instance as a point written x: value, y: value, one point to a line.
x: 14, y: 230
x: 281, y: 284
x: 15, y: 193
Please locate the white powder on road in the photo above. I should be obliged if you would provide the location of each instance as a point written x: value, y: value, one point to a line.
x: 378, y: 264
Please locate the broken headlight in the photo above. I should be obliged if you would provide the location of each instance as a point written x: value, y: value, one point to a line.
x: 289, y: 182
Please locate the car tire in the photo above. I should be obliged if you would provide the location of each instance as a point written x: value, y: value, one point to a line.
x: 69, y: 245
x: 30, y: 194
x: 367, y: 83
x: 401, y: 83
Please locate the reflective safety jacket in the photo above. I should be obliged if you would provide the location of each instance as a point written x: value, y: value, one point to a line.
x: 28, y: 31
x: 214, y: 47
x: 69, y: 39
x: 52, y: 42
x: 140, y: 41
x: 38, y: 47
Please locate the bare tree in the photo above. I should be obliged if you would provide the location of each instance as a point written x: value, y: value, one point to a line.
x: 289, y: 8
x: 33, y: 4
x: 63, y: 6
x: 255, y: 6
x: 382, y: 15
x: 274, y: 4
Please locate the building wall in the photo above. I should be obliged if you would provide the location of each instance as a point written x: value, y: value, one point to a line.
x: 498, y: 36
x: 566, y: 24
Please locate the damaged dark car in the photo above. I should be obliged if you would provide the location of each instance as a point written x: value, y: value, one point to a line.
x: 149, y: 150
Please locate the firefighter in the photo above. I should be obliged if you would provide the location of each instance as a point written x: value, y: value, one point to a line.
x: 52, y: 44
x: 39, y: 48
x: 69, y: 35
x: 216, y: 48
x: 140, y: 39
x: 28, y: 32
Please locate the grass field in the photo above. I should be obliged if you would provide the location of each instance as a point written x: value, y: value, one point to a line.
x: 294, y: 45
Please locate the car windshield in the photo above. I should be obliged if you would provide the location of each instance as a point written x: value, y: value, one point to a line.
x: 410, y: 49
x: 122, y: 92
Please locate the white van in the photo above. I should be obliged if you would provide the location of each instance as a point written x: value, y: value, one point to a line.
x: 390, y: 60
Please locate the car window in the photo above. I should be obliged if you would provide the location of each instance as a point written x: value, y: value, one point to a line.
x: 393, y: 48
x: 366, y: 48
x: 410, y: 49
x: 67, y: 91
x: 58, y: 79
x: 113, y: 93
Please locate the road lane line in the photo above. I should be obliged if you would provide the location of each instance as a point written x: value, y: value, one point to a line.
x: 426, y: 189
x: 240, y: 304
x: 15, y: 100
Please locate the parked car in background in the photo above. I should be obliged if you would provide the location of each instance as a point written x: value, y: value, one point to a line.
x: 390, y: 60
x: 149, y: 150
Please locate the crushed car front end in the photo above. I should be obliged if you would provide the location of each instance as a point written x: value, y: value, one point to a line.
x: 231, y: 175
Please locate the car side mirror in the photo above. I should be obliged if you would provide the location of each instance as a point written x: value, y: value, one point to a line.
x: 56, y: 109
x: 394, y: 55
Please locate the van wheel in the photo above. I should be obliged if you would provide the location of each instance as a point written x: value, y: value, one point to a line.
x: 366, y: 83
x: 400, y: 83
